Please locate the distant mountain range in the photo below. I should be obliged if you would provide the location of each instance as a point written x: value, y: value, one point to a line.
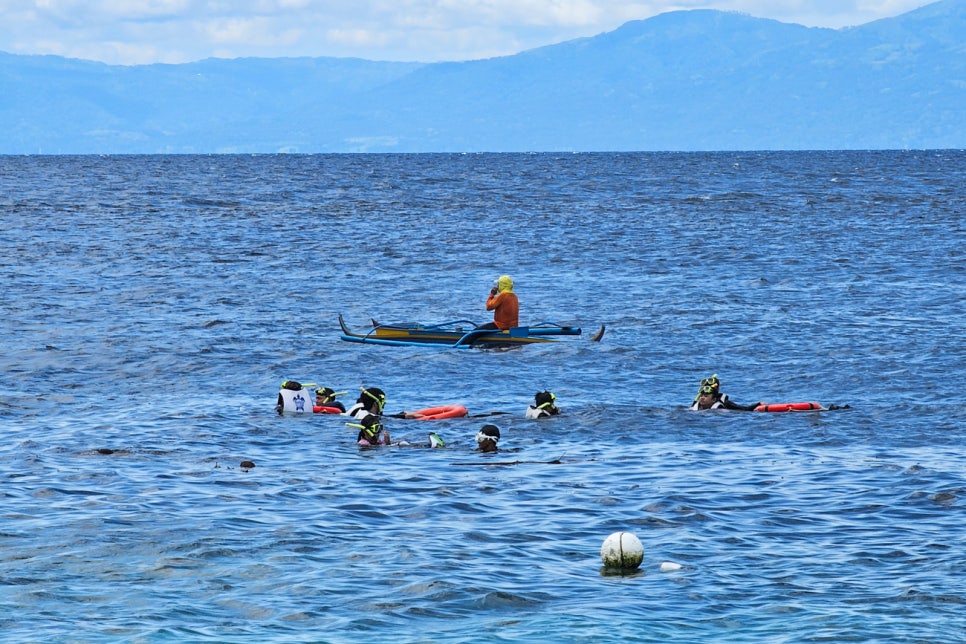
x: 685, y: 80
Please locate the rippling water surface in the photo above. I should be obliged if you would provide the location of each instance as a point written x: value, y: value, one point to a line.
x: 152, y: 305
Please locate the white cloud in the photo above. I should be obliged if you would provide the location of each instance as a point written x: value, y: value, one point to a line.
x: 251, y: 32
x: 107, y: 11
x: 142, y: 31
x: 357, y: 38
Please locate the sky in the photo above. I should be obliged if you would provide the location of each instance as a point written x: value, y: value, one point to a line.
x: 134, y: 32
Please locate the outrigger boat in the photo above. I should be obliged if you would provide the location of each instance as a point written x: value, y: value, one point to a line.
x: 460, y: 334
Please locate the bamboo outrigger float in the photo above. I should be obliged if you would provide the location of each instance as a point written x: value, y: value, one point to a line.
x: 460, y: 334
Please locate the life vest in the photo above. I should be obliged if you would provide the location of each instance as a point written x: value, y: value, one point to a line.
x: 294, y: 401
x: 537, y: 412
x: 703, y: 398
x: 717, y: 405
x: 358, y: 411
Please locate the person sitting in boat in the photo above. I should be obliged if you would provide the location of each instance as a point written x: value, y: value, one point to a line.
x: 371, y: 400
x: 487, y: 438
x: 504, y: 304
x: 710, y: 397
x: 325, y: 397
x: 544, y: 405
x: 371, y: 432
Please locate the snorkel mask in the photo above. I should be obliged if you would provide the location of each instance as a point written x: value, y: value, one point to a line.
x: 709, y: 385
x: 488, y: 433
x: 369, y: 428
x: 480, y: 437
x: 374, y: 394
x: 545, y: 400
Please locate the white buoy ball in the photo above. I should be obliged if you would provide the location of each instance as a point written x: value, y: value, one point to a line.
x: 622, y: 550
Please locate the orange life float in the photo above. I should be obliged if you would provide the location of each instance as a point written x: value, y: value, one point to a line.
x: 799, y: 406
x: 438, y: 413
x: 322, y: 409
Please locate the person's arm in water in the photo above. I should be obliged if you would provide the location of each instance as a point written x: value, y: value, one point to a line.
x: 727, y: 404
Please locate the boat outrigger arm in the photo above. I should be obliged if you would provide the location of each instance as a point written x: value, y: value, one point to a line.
x: 459, y: 334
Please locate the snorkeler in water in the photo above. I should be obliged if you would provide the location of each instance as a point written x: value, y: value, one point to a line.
x: 710, y: 397
x: 544, y: 405
x: 371, y: 432
x: 371, y: 400
x: 325, y: 397
x: 487, y: 438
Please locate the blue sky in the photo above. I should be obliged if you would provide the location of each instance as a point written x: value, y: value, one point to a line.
x: 132, y: 32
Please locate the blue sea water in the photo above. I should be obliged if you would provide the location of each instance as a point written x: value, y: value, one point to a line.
x: 152, y: 305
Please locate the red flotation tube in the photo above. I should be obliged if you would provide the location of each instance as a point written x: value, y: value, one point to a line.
x: 799, y: 406
x: 326, y: 410
x: 438, y: 413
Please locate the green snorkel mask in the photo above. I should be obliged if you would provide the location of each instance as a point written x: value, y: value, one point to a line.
x: 709, y: 385
x: 380, y: 399
x: 545, y: 400
x: 328, y: 395
x: 370, y: 430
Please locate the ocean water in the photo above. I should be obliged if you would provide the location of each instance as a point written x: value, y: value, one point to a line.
x: 152, y: 305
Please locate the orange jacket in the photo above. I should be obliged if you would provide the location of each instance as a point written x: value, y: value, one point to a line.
x: 506, y: 309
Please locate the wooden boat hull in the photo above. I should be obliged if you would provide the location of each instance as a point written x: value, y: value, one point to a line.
x: 455, y: 334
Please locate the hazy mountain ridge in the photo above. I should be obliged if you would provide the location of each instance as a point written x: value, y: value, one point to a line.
x: 688, y: 80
